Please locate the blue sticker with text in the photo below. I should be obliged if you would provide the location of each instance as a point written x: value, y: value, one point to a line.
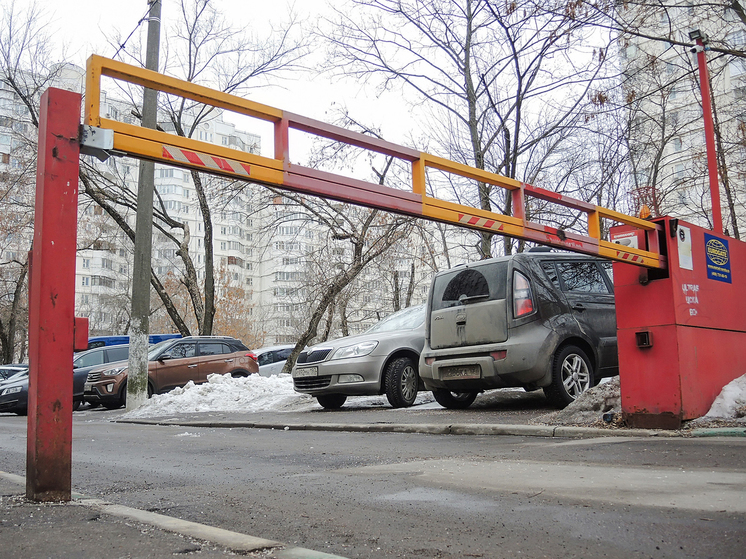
x: 717, y: 258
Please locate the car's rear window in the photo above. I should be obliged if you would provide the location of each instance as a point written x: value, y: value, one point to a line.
x: 214, y: 348
x: 485, y: 282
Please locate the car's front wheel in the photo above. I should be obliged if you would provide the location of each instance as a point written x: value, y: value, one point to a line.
x: 119, y: 402
x: 572, y: 375
x: 332, y: 401
x: 401, y: 382
x: 454, y: 400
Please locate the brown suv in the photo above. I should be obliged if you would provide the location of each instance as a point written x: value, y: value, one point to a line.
x: 172, y: 363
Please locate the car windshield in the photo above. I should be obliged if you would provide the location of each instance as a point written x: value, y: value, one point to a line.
x: 406, y: 319
x: 16, y: 377
x: 7, y: 372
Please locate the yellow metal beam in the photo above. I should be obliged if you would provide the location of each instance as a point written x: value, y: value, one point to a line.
x: 469, y: 172
x: 189, y: 153
x: 100, y: 66
x: 158, y: 137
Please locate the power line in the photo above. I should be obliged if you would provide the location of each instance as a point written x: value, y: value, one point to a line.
x: 139, y: 23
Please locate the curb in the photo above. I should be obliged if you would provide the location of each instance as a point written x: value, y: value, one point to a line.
x: 719, y: 432
x: 428, y: 429
x: 234, y: 541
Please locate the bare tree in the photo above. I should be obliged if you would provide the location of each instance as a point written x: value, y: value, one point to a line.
x: 26, y: 70
x: 367, y: 234
x: 657, y: 21
x: 497, y: 79
x: 654, y: 43
x: 204, y: 47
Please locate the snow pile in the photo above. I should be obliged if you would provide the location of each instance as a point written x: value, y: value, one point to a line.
x: 223, y: 393
x: 589, y: 408
x: 731, y: 402
x: 255, y: 393
x: 601, y: 406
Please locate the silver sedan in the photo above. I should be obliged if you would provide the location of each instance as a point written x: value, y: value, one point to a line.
x: 383, y: 360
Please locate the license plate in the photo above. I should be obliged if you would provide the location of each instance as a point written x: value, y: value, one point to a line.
x: 306, y: 372
x: 87, y: 387
x: 460, y: 372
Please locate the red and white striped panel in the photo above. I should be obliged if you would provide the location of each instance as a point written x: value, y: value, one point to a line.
x: 480, y: 222
x: 207, y: 161
x: 634, y: 258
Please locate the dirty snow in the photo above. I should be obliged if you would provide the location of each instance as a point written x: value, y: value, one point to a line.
x: 255, y: 393
x: 731, y: 402
x: 590, y: 408
x: 601, y: 405
x: 222, y: 393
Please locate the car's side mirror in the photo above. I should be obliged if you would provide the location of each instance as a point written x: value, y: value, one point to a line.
x: 165, y: 356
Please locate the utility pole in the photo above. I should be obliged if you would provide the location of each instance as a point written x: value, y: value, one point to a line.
x: 137, y: 374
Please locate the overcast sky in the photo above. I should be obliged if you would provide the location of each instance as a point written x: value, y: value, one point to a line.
x: 83, y: 25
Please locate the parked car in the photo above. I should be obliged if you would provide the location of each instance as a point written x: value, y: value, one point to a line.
x: 535, y: 320
x: 272, y: 359
x: 383, y: 360
x: 15, y: 397
x: 86, y: 361
x: 14, y: 389
x: 172, y: 363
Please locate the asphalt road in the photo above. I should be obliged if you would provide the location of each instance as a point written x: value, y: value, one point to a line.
x: 420, y: 496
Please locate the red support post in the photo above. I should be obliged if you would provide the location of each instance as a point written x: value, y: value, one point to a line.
x: 282, y: 141
x: 52, y: 299
x: 712, y: 166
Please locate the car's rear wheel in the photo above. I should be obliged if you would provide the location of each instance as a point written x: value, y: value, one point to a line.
x: 401, y: 382
x: 572, y: 375
x: 454, y: 400
x: 332, y: 401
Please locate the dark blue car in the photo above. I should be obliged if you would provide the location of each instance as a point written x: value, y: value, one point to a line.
x: 14, y: 389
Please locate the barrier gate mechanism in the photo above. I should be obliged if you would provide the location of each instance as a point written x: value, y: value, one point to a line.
x: 52, y: 289
x: 681, y: 332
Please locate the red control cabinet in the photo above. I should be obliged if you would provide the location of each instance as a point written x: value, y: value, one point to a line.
x: 682, y: 331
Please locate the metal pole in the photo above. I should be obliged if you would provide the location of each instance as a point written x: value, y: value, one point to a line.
x: 712, y: 166
x: 52, y: 300
x: 137, y: 374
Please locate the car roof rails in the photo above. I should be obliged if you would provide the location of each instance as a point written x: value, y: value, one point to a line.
x: 540, y: 249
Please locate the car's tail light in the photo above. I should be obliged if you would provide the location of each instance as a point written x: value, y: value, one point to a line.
x: 499, y: 355
x: 523, y: 302
x: 252, y: 355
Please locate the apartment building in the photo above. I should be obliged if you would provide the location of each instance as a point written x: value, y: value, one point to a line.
x: 665, y: 125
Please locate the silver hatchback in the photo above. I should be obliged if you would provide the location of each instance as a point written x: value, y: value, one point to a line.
x: 383, y: 360
x: 535, y: 320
